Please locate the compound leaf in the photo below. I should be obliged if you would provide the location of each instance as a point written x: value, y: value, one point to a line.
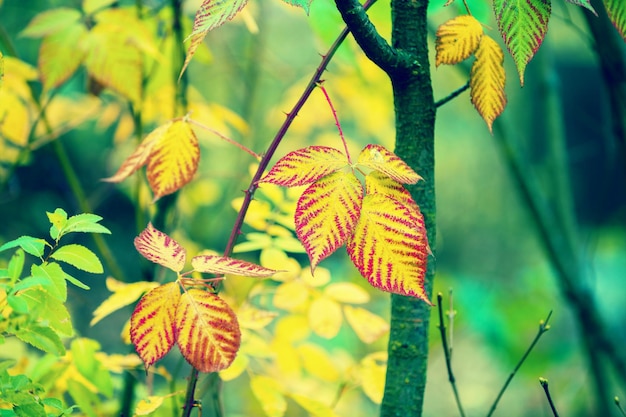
x: 161, y: 249
x: 223, y: 265
x: 79, y: 257
x: 487, y: 80
x: 523, y: 25
x: 152, y: 324
x: 207, y: 331
x: 389, y: 246
x: 380, y: 159
x: 457, y: 39
x: 306, y: 166
x: 326, y: 214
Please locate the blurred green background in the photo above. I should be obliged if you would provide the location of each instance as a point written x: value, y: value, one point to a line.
x: 489, y: 251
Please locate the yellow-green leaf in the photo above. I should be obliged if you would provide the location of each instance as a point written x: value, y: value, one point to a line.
x: 207, y: 331
x: 457, y: 39
x: 210, y: 15
x: 269, y: 394
x: 372, y: 372
x: 159, y: 248
x: 123, y: 295
x: 487, y: 80
x: 59, y: 56
x: 318, y: 362
x: 223, y: 265
x: 347, y: 292
x: 380, y: 159
x: 389, y: 246
x: 148, y: 405
x: 79, y: 257
x: 325, y: 317
x: 306, y: 166
x: 140, y: 156
x: 152, y: 328
x: 327, y: 213
x: 174, y: 159
x: 368, y: 326
x: 51, y: 21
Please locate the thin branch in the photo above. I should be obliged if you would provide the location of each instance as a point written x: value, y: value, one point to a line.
x: 447, y: 353
x: 451, y: 313
x: 543, y: 327
x: 332, y: 108
x: 453, y: 95
x: 544, y: 385
x: 225, y: 138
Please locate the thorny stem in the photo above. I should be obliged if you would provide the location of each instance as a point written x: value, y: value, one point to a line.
x: 619, y: 406
x: 544, y: 385
x: 543, y: 327
x: 448, y: 354
x: 225, y: 138
x: 332, y: 108
x: 263, y: 164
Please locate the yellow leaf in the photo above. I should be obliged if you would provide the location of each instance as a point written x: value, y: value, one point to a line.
x: 123, y: 295
x: 291, y: 329
x: 159, y: 248
x: 251, y: 317
x: 457, y: 39
x: 236, y: 368
x: 207, y: 331
x: 269, y: 394
x: 327, y: 213
x: 223, y: 265
x: 59, y: 56
x: 321, y: 277
x: 487, y: 80
x: 372, y: 371
x: 367, y: 325
x: 389, y: 246
x: 152, y: 328
x: 317, y: 362
x: 305, y: 166
x: 314, y: 407
x: 291, y: 295
x: 277, y: 259
x: 173, y: 160
x: 325, y: 317
x: 148, y: 405
x: 347, y: 292
x: 380, y: 159
x: 140, y: 156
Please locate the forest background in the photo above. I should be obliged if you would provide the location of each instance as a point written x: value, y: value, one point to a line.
x: 248, y: 73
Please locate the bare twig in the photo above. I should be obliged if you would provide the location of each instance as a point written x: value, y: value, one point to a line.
x: 544, y: 385
x: 543, y: 327
x: 448, y: 355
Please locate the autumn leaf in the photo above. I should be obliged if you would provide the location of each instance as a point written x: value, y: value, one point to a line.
x: 152, y: 324
x: 523, y: 25
x: 224, y: 265
x: 457, y: 39
x: 378, y: 183
x: 123, y: 295
x: 159, y: 248
x: 326, y: 214
x: 207, y: 331
x: 210, y: 15
x: 389, y: 246
x: 487, y: 79
x: 380, y: 159
x: 139, y: 157
x: 616, y: 9
x: 305, y: 166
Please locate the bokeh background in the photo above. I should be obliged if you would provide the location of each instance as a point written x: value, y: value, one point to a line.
x: 558, y: 128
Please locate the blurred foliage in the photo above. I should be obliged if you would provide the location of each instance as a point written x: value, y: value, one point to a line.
x: 242, y: 80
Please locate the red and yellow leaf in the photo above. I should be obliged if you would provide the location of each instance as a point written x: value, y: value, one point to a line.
x: 523, y: 25
x: 152, y: 324
x: 378, y: 183
x: 487, y: 80
x: 207, y: 331
x: 159, y: 248
x: 138, y: 158
x: 390, y: 247
x: 616, y: 9
x: 306, y: 166
x: 326, y: 214
x: 210, y: 15
x: 223, y: 265
x: 457, y: 39
x: 380, y: 159
x: 59, y: 57
x: 174, y: 159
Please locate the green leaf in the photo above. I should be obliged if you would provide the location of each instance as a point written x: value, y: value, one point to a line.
x: 83, y: 397
x: 30, y: 282
x: 305, y: 4
x: 18, y: 304
x: 53, y: 402
x: 84, y: 354
x: 16, y: 265
x: 76, y: 282
x: 48, y: 311
x: 616, y: 9
x: 43, y: 338
x: 58, y: 219
x: 79, y: 257
x: 50, y: 21
x: 523, y: 25
x: 85, y: 223
x: 52, y: 272
x: 31, y: 245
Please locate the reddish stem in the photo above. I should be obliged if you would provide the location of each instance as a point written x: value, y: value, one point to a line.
x: 332, y: 108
